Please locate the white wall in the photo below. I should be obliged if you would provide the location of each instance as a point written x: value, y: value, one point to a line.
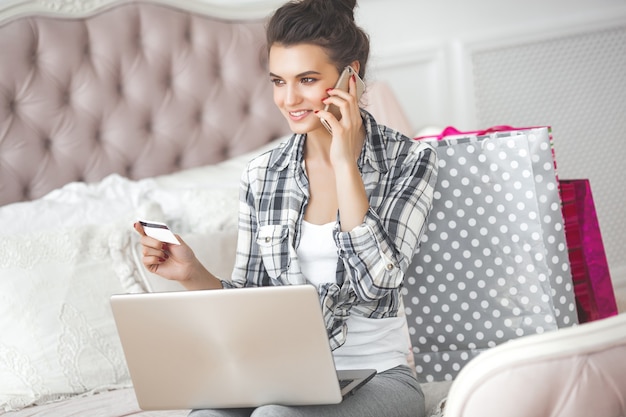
x: 428, y: 36
x: 441, y: 58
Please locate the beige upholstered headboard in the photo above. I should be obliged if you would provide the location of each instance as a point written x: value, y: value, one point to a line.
x: 133, y: 88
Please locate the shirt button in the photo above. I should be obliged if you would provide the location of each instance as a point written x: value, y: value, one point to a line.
x: 268, y: 239
x: 389, y: 267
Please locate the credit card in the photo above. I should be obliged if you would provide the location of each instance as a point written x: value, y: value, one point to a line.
x: 159, y: 231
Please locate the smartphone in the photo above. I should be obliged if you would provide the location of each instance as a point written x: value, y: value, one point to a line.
x: 343, y: 84
x: 159, y: 231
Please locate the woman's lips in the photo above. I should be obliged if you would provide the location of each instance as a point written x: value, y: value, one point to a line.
x: 298, y: 115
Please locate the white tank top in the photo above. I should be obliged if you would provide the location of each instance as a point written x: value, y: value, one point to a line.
x: 380, y: 344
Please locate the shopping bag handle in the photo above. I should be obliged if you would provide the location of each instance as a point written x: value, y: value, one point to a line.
x: 451, y: 131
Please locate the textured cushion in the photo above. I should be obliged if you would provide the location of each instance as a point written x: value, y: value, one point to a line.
x: 138, y: 89
x: 58, y: 334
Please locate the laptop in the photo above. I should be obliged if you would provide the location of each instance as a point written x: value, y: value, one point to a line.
x: 230, y: 348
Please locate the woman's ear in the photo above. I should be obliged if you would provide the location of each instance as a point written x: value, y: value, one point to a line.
x: 356, y: 66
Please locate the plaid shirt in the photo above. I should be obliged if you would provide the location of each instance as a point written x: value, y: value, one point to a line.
x: 399, y: 176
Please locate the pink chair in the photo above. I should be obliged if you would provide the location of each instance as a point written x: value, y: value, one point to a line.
x: 574, y: 372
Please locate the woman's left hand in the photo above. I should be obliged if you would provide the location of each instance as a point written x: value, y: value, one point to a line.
x: 347, y: 135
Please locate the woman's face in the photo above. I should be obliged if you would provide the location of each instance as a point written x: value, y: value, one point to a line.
x: 301, y: 74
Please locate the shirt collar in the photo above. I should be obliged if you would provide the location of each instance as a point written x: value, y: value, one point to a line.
x: 374, y: 152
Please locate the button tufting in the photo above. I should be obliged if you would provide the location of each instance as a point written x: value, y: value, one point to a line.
x: 138, y: 40
x: 167, y: 80
x: 47, y: 144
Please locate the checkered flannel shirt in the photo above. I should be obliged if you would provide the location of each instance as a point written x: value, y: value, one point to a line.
x: 399, y: 175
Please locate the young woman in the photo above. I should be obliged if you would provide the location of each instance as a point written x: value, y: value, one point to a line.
x: 341, y: 211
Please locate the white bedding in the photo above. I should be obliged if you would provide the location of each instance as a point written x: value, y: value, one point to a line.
x: 106, y: 404
x: 62, y: 256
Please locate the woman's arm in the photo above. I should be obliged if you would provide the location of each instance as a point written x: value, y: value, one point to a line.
x: 249, y: 269
x: 378, y: 252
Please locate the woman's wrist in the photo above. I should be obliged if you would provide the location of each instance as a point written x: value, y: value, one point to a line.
x: 199, y: 278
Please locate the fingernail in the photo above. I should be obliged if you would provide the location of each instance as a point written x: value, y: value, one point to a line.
x: 316, y: 111
x: 328, y: 90
x: 353, y: 77
x: 161, y: 260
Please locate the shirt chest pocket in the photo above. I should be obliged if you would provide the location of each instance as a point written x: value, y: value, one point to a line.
x: 274, y: 247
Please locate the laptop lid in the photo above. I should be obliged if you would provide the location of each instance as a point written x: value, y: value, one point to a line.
x: 228, y: 348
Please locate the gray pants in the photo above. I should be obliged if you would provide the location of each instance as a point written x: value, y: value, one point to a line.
x: 393, y: 393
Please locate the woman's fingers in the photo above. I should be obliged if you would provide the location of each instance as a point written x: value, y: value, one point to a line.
x: 174, y: 262
x: 139, y: 228
x: 154, y: 252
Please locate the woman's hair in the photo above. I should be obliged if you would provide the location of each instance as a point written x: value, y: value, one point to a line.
x: 326, y: 23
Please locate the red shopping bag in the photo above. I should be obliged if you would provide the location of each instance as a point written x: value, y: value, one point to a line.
x: 590, y: 271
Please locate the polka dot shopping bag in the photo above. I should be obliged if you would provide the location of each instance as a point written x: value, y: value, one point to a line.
x: 493, y: 263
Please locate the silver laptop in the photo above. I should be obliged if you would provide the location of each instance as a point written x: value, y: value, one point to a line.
x: 230, y: 348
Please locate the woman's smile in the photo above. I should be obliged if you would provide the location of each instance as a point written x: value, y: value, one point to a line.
x: 299, y: 114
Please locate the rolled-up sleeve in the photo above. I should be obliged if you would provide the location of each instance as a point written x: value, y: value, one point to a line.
x: 248, y: 269
x: 377, y: 253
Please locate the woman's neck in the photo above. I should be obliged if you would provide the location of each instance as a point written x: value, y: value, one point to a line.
x: 317, y: 144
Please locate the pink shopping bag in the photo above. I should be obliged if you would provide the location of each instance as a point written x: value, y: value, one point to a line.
x: 590, y: 272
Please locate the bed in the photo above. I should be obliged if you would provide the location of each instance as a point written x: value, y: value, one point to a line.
x: 109, y: 111
x: 112, y: 110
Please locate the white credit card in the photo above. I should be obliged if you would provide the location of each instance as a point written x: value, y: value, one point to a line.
x: 159, y: 231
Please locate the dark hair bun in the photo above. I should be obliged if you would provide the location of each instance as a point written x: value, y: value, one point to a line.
x: 326, y: 23
x: 333, y: 7
x: 345, y: 6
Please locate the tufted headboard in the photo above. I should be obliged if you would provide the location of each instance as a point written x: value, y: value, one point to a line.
x: 135, y: 88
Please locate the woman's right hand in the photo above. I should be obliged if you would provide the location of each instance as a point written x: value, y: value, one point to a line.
x: 175, y: 262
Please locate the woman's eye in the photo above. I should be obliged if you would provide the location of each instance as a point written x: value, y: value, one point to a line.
x: 277, y: 82
x: 308, y: 80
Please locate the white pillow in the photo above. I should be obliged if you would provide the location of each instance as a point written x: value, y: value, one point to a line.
x: 114, y: 198
x: 58, y: 334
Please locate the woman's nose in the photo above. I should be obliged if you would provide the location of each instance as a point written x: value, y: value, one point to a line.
x: 292, y: 95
